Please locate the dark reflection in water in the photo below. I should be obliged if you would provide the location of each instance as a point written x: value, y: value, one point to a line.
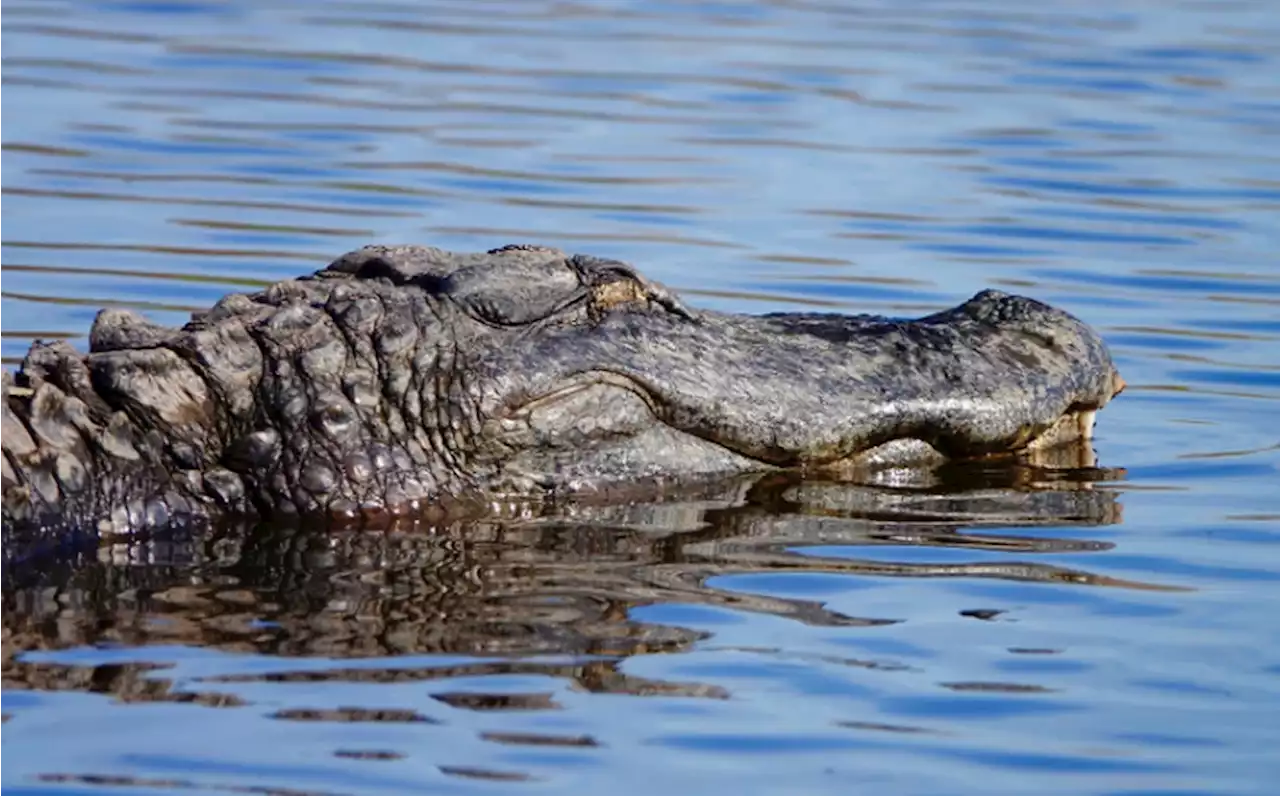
x: 563, y: 583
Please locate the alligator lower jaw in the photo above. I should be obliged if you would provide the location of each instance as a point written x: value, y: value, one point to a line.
x: 1066, y: 443
x: 1074, y: 426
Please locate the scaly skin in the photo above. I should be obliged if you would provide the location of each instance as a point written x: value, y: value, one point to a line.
x: 401, y: 380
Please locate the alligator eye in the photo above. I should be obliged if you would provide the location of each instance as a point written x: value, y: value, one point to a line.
x: 606, y: 296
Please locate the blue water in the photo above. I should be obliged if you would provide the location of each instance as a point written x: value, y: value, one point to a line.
x: 1113, y: 631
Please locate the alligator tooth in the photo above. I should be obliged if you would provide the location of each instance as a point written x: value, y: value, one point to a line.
x: 1073, y: 428
x: 1086, y: 419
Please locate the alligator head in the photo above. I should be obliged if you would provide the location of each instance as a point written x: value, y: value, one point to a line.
x: 403, y: 378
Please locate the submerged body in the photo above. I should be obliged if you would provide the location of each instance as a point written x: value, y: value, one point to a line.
x: 403, y: 379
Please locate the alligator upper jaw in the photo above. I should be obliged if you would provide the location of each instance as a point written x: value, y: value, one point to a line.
x: 824, y: 392
x: 856, y: 397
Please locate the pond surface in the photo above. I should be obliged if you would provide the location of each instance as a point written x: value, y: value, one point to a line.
x: 1109, y: 630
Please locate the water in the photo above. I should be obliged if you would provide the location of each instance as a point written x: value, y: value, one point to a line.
x: 1110, y: 632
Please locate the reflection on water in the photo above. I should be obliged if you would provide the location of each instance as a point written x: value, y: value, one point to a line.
x: 558, y: 596
x: 1077, y: 630
x: 562, y: 581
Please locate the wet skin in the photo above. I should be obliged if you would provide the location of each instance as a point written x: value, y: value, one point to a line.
x: 407, y: 379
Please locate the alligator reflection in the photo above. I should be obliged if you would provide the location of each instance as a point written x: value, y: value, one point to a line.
x: 563, y: 583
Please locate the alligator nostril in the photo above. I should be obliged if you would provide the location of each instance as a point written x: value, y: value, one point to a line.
x: 1045, y: 339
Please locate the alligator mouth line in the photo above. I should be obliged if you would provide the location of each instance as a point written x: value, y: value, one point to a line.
x: 1062, y: 443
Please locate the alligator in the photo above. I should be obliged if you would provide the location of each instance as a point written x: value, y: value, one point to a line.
x: 409, y: 380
